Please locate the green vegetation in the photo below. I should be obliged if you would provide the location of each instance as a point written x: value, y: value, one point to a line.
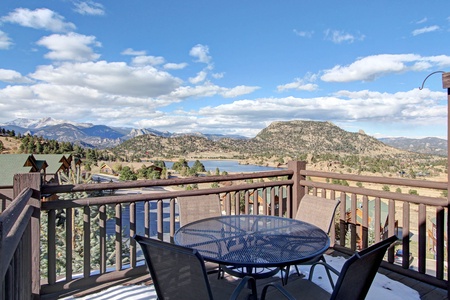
x: 78, y: 220
x: 315, y: 142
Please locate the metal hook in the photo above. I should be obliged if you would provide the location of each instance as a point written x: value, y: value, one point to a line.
x: 423, y: 83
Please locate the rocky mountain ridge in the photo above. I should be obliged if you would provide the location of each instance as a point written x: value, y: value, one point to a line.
x: 278, y: 143
x: 289, y: 133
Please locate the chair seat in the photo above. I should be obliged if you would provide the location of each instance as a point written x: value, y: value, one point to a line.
x: 222, y: 289
x: 354, y: 281
x: 301, y: 288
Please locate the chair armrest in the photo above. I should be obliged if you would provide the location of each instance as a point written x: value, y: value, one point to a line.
x: 279, y: 288
x: 328, y: 268
x: 243, y: 284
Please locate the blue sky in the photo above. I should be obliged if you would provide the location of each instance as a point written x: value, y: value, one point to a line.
x: 229, y: 67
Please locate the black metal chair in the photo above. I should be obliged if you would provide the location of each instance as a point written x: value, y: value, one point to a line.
x: 354, y: 280
x: 179, y: 273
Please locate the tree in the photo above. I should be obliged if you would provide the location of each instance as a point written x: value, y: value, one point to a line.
x: 180, y: 164
x: 75, y: 177
x: 127, y: 174
x: 198, y: 167
x: 160, y: 163
x: 413, y: 192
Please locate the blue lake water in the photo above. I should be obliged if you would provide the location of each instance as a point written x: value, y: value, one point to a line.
x: 230, y: 166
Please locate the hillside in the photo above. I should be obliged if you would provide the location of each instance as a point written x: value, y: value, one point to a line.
x: 278, y: 143
x: 429, y: 145
x: 323, y: 145
x: 10, y: 145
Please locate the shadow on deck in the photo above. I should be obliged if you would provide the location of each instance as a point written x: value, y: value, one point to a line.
x: 425, y: 291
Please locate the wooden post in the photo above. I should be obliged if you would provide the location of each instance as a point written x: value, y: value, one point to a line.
x: 298, y: 191
x: 31, y: 251
x: 446, y: 85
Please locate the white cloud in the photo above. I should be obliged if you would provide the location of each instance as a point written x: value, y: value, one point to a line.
x: 174, y: 66
x: 299, y: 84
x: 425, y: 30
x: 218, y: 75
x: 306, y: 34
x: 12, y: 76
x: 89, y: 8
x: 371, y: 67
x: 5, y: 41
x: 205, y: 90
x: 41, y: 18
x: 239, y: 91
x: 110, y: 78
x: 201, y: 76
x: 70, y: 47
x: 130, y: 51
x: 201, y: 52
x: 208, y: 90
x: 148, y: 60
x: 339, y: 37
x: 411, y: 107
x: 421, y: 21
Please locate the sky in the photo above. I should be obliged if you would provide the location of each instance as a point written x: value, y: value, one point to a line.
x: 227, y: 67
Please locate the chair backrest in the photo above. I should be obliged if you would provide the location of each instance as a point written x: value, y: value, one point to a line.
x: 359, y: 270
x: 177, y: 272
x: 193, y: 208
x: 317, y: 211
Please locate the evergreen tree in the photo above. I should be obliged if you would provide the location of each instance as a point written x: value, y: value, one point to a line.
x: 127, y: 174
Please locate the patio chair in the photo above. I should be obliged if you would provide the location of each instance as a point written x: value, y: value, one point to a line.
x: 353, y: 281
x: 179, y: 273
x: 319, y: 212
x: 194, y: 208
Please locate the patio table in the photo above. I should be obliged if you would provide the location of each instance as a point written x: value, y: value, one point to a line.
x: 252, y: 242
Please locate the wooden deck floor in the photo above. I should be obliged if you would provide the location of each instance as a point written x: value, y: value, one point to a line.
x: 426, y: 291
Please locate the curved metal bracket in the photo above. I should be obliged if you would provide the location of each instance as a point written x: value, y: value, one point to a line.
x: 423, y: 83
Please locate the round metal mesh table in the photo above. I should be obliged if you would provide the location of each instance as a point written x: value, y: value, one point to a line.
x: 253, y: 240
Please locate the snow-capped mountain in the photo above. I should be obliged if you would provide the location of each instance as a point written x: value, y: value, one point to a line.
x: 43, y: 122
x: 87, y: 134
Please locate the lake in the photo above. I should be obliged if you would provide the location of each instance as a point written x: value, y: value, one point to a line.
x: 230, y: 166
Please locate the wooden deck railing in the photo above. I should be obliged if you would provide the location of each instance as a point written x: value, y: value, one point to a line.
x: 422, y: 218
x: 86, y: 242
x: 19, y: 245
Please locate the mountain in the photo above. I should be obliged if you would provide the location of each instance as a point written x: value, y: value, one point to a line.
x: 40, y: 123
x: 85, y: 134
x: 289, y: 138
x: 279, y: 141
x: 429, y: 145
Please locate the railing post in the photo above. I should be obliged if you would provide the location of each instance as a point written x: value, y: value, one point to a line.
x: 446, y: 85
x: 298, y: 191
x: 31, y: 241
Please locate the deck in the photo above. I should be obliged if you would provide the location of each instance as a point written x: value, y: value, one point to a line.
x: 143, y: 285
x: 366, y: 216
